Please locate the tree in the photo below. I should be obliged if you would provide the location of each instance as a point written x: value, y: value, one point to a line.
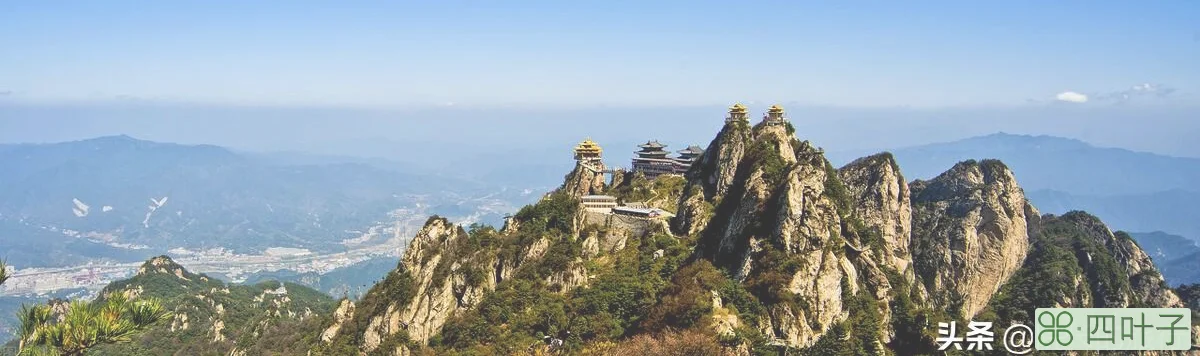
x: 3, y: 272
x: 70, y: 328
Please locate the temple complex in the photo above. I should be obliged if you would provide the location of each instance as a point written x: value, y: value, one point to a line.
x: 652, y: 160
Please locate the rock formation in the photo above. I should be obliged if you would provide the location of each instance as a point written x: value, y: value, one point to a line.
x: 583, y: 180
x: 880, y: 197
x: 970, y: 233
x: 801, y: 254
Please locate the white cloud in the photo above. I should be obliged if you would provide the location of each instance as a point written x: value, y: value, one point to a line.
x: 1070, y: 96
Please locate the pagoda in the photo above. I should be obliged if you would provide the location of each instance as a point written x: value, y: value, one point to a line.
x: 737, y: 113
x: 652, y: 160
x: 588, y: 151
x: 686, y: 157
x: 774, y: 116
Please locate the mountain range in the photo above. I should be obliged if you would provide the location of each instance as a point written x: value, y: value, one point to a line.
x: 125, y: 199
x: 768, y: 248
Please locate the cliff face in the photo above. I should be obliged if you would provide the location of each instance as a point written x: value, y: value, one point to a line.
x: 971, y: 233
x: 584, y: 179
x: 880, y: 197
x: 441, y: 273
x: 770, y: 246
x: 711, y: 177
x: 781, y: 224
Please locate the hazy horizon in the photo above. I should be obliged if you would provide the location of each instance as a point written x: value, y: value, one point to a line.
x: 368, y: 133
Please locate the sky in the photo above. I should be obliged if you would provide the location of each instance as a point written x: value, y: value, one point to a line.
x: 390, y: 79
x: 352, y: 54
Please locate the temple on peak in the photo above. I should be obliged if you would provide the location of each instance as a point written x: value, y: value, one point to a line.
x: 774, y: 115
x: 588, y: 150
x: 737, y: 113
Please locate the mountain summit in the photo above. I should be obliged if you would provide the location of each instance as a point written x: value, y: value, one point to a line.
x: 762, y: 246
x: 770, y: 246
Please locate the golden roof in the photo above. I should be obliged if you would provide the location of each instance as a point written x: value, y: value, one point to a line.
x: 737, y: 107
x: 776, y: 108
x: 587, y: 145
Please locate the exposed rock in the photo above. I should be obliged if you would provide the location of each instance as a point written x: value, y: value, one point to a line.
x: 218, y: 326
x: 969, y: 233
x: 779, y: 198
x: 435, y: 300
x: 566, y: 280
x: 583, y: 180
x: 725, y: 322
x: 179, y: 322
x: 711, y: 177
x: 880, y: 198
x: 344, y: 312
x: 817, y: 246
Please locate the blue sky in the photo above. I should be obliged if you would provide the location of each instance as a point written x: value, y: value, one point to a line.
x: 621, y: 53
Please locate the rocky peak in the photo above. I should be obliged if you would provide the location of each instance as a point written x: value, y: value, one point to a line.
x: 711, y: 176
x: 970, y: 233
x: 769, y: 209
x: 584, y: 179
x: 1146, y: 283
x: 879, y: 196
x: 165, y: 265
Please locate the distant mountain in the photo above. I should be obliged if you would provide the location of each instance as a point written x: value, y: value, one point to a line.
x: 1173, y: 211
x: 1061, y: 164
x: 1183, y: 270
x: 350, y: 281
x: 1163, y: 247
x: 122, y: 198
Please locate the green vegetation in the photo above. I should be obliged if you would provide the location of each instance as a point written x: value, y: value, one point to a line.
x: 910, y: 320
x: 1065, y: 267
x: 265, y: 316
x: 612, y: 306
x: 83, y: 325
x: 3, y: 272
x: 662, y: 192
x: 859, y: 334
x: 1190, y: 294
x: 765, y: 155
x: 397, y: 287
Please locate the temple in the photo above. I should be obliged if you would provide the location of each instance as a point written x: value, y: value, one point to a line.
x: 590, y: 155
x: 737, y: 113
x: 774, y: 116
x: 652, y: 160
x: 686, y: 157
